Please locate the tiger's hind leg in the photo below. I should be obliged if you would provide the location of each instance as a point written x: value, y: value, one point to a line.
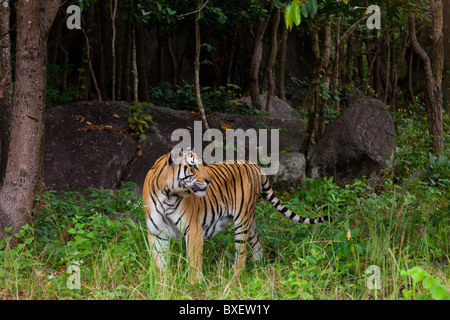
x: 241, y: 233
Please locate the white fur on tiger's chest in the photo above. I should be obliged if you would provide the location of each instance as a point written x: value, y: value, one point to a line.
x: 164, y: 217
x: 169, y: 217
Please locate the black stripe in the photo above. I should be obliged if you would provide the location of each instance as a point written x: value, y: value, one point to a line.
x: 239, y: 233
x: 151, y: 220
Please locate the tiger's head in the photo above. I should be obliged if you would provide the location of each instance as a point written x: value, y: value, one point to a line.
x: 188, y: 174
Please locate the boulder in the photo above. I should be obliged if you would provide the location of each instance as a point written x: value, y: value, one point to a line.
x: 359, y: 143
x: 291, y: 171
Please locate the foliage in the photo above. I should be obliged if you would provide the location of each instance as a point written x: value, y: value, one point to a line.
x: 54, y: 95
x: 139, y: 121
x: 414, y: 145
x: 183, y: 98
x: 298, y: 8
x: 433, y: 286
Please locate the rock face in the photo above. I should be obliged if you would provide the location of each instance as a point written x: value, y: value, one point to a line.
x: 360, y: 142
x: 85, y: 147
x: 88, y: 144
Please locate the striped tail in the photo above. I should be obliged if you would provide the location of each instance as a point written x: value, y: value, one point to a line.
x: 270, y: 196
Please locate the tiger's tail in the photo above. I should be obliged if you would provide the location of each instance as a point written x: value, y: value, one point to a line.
x: 270, y: 196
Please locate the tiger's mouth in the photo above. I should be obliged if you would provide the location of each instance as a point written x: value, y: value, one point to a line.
x: 199, y: 189
x: 196, y: 189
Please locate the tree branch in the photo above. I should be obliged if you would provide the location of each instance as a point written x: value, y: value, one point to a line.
x: 193, y: 12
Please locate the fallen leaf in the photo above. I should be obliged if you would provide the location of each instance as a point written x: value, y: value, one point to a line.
x: 115, y: 115
x: 89, y: 123
x: 349, y: 234
x: 225, y: 126
x: 139, y: 154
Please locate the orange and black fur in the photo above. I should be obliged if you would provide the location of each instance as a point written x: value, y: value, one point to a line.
x: 186, y: 200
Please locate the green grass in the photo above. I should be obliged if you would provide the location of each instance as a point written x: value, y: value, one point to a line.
x: 402, y: 229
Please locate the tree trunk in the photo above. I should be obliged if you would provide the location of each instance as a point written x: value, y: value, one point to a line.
x: 315, y: 81
x: 255, y: 62
x: 271, y: 60
x: 144, y: 94
x: 232, y: 52
x: 34, y: 19
x: 446, y: 75
x: 326, y: 55
x: 433, y: 72
x: 126, y: 73
x: 6, y: 88
x: 91, y: 69
x: 173, y: 61
x: 396, y: 71
x: 336, y: 62
x: 389, y: 66
x: 113, y: 12
x: 410, y: 86
x: 119, y: 59
x: 283, y: 52
x: 197, y: 71
x: 98, y: 48
x: 134, y: 70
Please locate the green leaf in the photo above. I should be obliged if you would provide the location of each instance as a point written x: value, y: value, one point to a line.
x: 312, y: 6
x: 288, y: 17
x: 428, y: 282
x: 354, y: 232
x: 439, y: 293
x: 297, y: 15
x: 310, y: 259
x: 304, y: 9
x: 416, y: 273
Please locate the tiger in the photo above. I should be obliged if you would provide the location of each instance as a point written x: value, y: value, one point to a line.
x: 189, y: 201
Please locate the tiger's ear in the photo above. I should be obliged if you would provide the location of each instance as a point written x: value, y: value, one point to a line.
x: 176, y: 155
x: 189, y: 149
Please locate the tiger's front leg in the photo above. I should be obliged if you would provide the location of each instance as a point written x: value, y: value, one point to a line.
x: 159, y: 250
x: 194, y: 243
